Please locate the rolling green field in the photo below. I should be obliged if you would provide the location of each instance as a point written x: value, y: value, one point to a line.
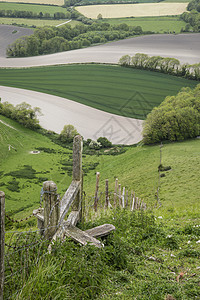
x: 136, y: 169
x: 32, y: 7
x: 47, y: 165
x: 155, y: 24
x: 108, y: 88
x: 35, y: 22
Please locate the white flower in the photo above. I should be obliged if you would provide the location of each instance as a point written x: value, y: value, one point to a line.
x: 189, y: 242
x: 160, y: 217
x: 169, y: 236
x: 198, y: 242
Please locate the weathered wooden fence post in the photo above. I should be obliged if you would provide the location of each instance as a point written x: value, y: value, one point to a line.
x: 107, y: 197
x: 120, y: 195
x: 51, y: 209
x: 96, y: 191
x: 77, y: 169
x: 2, y: 242
x: 115, y: 193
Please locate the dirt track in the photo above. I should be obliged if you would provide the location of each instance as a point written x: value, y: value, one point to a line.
x: 185, y: 47
x: 91, y: 123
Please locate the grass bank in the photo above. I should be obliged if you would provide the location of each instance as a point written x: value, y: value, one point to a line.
x: 122, y: 91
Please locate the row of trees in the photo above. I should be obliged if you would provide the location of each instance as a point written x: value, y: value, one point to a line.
x: 22, y: 113
x: 34, y: 15
x: 165, y: 65
x: 177, y: 118
x: 55, y: 39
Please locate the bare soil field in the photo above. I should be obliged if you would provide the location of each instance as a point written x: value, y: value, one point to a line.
x: 9, y: 33
x: 51, y: 2
x: 132, y: 10
x: 91, y: 123
x: 184, y: 47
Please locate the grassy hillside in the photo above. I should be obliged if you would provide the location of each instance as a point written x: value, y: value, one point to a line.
x: 46, y: 165
x: 108, y: 88
x: 136, y: 169
x: 146, y: 258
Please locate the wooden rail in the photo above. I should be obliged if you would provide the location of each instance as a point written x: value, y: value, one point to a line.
x: 51, y: 219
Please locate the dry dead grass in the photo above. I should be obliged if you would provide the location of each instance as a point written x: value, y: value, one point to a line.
x: 135, y: 10
x: 53, y: 2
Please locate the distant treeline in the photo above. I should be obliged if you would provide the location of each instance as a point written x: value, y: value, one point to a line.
x: 34, y: 15
x: 193, y: 17
x: 55, y: 39
x: 69, y: 3
x: 165, y: 65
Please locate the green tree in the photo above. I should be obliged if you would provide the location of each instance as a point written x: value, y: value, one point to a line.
x: 68, y: 133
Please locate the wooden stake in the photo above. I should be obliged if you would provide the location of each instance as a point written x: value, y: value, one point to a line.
x: 96, y: 191
x: 107, y: 197
x: 51, y: 209
x: 77, y: 168
x: 126, y: 198
x: 123, y: 196
x: 133, y: 203
x: 115, y: 193
x: 120, y: 193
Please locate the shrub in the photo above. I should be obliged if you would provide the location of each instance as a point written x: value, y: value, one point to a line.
x: 105, y: 143
x: 177, y: 118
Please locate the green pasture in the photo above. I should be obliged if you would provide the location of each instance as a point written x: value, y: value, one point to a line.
x: 136, y: 169
x: 118, y: 90
x: 47, y: 166
x: 32, y: 7
x: 34, y: 22
x: 155, y: 24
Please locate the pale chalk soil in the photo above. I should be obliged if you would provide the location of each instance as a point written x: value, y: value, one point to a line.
x: 185, y: 47
x: 90, y: 123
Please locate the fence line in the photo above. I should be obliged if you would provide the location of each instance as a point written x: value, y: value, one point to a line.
x: 24, y: 249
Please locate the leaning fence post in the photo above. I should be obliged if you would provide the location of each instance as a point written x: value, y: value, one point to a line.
x: 96, y: 191
x: 51, y: 209
x: 2, y: 242
x: 77, y: 168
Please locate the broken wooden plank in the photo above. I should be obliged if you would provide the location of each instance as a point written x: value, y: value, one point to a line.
x: 39, y: 213
x: 80, y: 236
x: 100, y: 231
x: 68, y: 198
x: 74, y: 217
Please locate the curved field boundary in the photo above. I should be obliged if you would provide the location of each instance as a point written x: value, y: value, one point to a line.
x: 184, y: 47
x: 132, y: 10
x: 91, y: 123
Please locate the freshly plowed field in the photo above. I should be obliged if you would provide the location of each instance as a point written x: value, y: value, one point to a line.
x: 133, y: 10
x: 9, y: 34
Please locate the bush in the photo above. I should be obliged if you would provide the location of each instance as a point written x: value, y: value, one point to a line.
x: 105, y: 143
x: 177, y: 118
